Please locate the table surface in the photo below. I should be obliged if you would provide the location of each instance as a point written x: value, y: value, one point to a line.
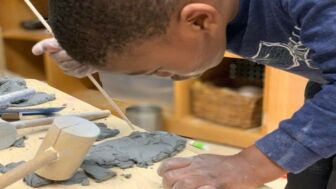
x: 141, y: 177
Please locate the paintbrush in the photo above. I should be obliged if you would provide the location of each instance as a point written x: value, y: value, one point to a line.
x: 93, y: 80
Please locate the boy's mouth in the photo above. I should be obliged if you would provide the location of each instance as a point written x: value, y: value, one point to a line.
x: 180, y: 77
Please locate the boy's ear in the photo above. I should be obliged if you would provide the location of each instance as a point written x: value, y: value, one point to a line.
x: 200, y: 16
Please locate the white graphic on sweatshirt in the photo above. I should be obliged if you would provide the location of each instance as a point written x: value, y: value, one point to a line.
x: 285, y: 55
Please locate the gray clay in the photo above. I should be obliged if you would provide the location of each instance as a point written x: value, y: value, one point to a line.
x: 4, y: 106
x: 126, y: 176
x: 79, y: 178
x: 19, y: 143
x: 106, y: 132
x: 32, y: 179
x: 140, y: 148
x: 36, y: 181
x: 36, y: 99
x: 99, y: 174
x: 8, y: 167
x: 12, y: 84
x: 85, y: 182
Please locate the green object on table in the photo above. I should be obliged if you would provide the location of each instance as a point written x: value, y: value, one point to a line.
x: 198, y: 144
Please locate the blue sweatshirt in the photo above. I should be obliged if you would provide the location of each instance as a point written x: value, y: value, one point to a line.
x: 297, y: 36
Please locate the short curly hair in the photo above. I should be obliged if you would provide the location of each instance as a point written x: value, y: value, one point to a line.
x: 89, y: 30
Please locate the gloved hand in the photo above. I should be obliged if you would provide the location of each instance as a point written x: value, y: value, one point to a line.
x: 64, y: 61
x: 246, y: 170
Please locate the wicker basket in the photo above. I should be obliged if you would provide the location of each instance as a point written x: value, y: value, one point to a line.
x: 225, y: 106
x: 214, y: 97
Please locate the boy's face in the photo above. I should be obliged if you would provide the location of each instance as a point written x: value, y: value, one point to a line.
x: 193, y: 44
x: 177, y: 58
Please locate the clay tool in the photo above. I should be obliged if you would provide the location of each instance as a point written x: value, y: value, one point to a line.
x: 61, y: 152
x: 11, y: 116
x: 32, y: 111
x: 15, y: 96
x: 93, y: 80
x: 112, y: 103
x: 9, y: 131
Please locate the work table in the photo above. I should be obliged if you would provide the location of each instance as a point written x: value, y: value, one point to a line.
x: 142, y: 178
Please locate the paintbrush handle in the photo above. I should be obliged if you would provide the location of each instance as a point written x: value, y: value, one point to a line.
x: 110, y: 100
x: 27, y: 168
x: 46, y: 121
x: 39, y: 16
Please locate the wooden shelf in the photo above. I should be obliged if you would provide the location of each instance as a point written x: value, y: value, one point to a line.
x: 21, y: 34
x: 21, y: 61
x: 231, y: 55
x: 283, y: 95
x: 193, y: 127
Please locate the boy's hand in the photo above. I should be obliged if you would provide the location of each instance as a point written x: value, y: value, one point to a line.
x: 64, y: 61
x: 246, y: 170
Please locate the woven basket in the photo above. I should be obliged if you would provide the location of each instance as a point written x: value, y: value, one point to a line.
x: 214, y: 96
x: 225, y: 106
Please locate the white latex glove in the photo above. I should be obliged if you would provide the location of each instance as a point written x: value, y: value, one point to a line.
x: 64, y: 61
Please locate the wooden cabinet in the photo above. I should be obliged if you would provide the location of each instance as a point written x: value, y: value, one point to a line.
x: 18, y: 42
x: 283, y: 95
x: 2, y: 55
x: 17, y: 56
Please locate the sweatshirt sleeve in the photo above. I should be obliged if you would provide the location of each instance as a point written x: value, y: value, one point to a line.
x: 310, y: 134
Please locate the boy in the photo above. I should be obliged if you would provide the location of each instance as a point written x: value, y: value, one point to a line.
x: 184, y: 38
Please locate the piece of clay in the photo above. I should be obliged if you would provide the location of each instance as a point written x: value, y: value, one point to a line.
x: 19, y: 143
x: 36, y: 181
x: 31, y: 180
x: 140, y: 148
x: 106, y: 132
x: 36, y: 99
x: 85, y: 182
x: 126, y: 176
x: 8, y: 167
x: 12, y: 84
x: 99, y: 174
x: 79, y: 178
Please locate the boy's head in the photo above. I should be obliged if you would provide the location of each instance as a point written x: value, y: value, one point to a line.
x: 175, y: 38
